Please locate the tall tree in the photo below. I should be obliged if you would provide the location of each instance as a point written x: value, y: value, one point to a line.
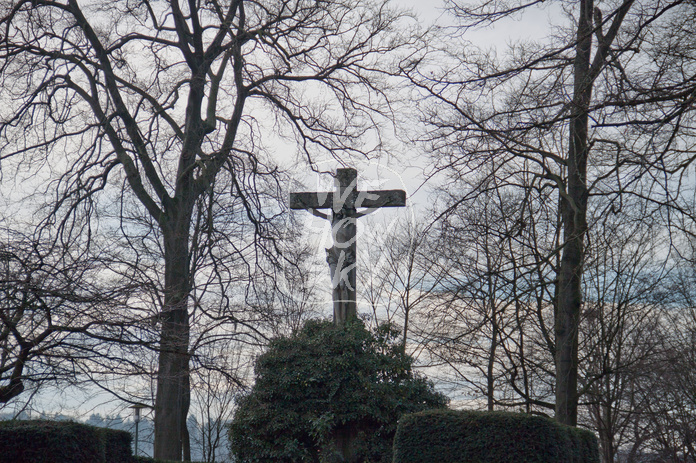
x: 551, y: 109
x: 168, y: 101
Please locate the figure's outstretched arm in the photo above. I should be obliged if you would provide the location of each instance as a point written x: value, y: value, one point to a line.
x: 319, y: 214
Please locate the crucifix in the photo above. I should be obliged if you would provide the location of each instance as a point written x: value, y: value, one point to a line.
x: 344, y: 204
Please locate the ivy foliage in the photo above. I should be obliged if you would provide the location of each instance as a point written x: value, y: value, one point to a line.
x: 323, y: 379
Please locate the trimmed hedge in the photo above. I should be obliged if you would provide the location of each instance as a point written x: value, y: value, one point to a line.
x: 117, y: 445
x: 62, y: 442
x: 451, y: 436
x: 141, y: 459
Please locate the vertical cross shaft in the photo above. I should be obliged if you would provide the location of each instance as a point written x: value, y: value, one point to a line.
x: 341, y: 257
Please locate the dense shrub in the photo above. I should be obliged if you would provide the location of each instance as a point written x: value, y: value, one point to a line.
x: 62, y: 442
x: 142, y: 459
x: 449, y: 436
x: 117, y: 445
x: 326, y: 387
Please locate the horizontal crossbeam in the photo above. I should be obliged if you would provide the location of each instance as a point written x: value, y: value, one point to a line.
x: 368, y: 199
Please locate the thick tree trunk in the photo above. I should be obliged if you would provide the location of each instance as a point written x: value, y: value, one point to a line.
x: 172, y: 399
x: 185, y: 441
x: 573, y: 204
x: 170, y: 403
x: 490, y: 371
x: 345, y: 439
x: 574, y: 218
x: 606, y: 437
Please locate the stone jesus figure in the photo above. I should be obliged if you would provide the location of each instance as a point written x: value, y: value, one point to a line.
x: 341, y: 257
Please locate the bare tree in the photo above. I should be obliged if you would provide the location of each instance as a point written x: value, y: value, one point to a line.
x: 215, y: 385
x: 622, y: 338
x: 665, y: 418
x: 399, y: 273
x: 489, y: 319
x: 168, y: 102
x: 552, y: 109
x: 52, y: 313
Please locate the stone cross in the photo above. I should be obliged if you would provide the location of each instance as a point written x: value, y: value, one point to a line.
x: 344, y: 203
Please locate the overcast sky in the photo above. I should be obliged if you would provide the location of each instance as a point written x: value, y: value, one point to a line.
x: 404, y: 170
x: 534, y: 23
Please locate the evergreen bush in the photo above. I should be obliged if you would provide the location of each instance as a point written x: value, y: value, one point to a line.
x: 325, y: 386
x: 450, y: 436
